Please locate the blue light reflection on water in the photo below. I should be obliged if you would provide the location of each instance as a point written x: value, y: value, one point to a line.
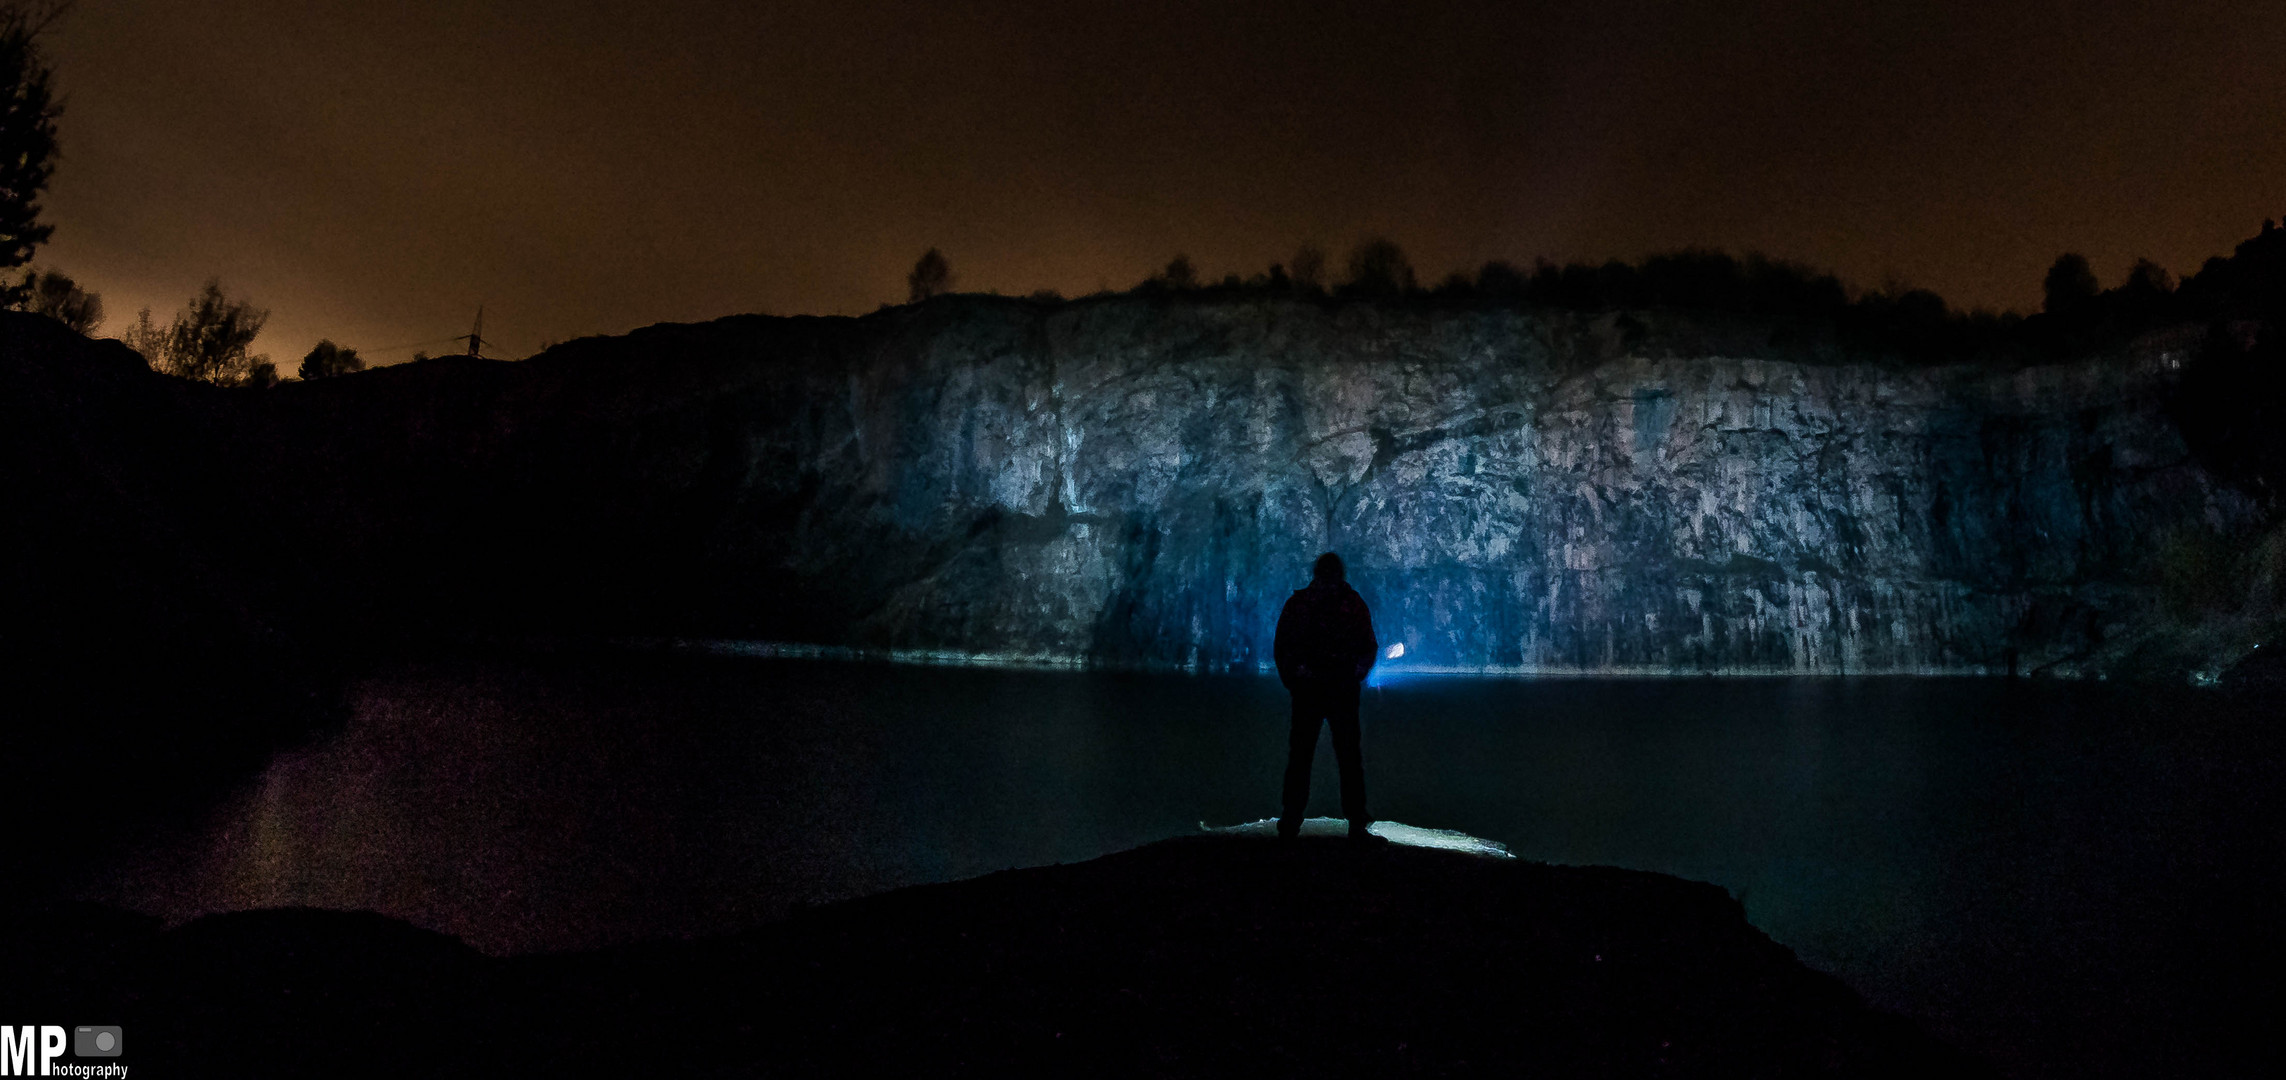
x: 1383, y: 675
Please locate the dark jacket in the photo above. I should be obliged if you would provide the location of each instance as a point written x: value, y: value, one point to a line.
x: 1325, y: 634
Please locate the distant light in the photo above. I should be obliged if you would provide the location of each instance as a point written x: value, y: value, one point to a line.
x: 1397, y: 650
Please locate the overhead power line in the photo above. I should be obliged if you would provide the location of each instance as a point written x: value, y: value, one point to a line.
x: 412, y: 345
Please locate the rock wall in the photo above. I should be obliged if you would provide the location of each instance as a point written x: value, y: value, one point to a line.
x: 1129, y: 481
x: 1140, y: 481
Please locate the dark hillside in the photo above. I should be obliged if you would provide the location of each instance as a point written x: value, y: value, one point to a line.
x: 1195, y: 957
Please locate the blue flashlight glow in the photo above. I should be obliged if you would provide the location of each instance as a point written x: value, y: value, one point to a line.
x: 1381, y: 675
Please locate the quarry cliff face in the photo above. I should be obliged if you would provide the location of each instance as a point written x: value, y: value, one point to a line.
x: 1140, y: 482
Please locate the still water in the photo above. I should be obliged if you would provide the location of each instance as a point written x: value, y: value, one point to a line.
x: 2072, y: 879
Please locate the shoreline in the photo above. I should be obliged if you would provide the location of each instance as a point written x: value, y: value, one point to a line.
x: 789, y: 650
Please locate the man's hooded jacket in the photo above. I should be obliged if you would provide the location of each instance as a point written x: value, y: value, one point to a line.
x: 1325, y: 635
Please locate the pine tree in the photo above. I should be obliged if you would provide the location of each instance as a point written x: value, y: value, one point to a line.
x: 28, y: 113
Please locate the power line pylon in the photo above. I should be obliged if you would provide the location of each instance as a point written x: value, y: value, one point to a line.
x: 475, y: 336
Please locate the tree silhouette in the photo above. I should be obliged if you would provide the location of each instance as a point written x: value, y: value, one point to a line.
x: 1377, y: 267
x: 2148, y: 278
x: 1455, y: 284
x: 55, y: 295
x: 1309, y: 269
x: 2070, y: 288
x: 207, y: 341
x: 931, y: 276
x: 27, y: 133
x: 1180, y: 274
x: 2146, y: 299
x: 327, y: 360
x: 1501, y: 279
x: 2249, y: 283
x: 145, y: 338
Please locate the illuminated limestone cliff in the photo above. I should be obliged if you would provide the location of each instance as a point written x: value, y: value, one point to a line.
x: 1133, y: 481
x: 1140, y: 481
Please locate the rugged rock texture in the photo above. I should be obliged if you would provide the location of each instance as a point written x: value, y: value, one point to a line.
x: 1140, y: 481
x: 1126, y: 481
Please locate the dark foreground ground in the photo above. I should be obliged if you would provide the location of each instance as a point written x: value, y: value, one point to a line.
x: 1197, y: 956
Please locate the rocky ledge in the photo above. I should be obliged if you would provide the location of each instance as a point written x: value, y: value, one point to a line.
x: 1209, y: 955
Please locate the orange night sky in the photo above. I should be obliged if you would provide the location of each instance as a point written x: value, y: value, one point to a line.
x: 373, y: 172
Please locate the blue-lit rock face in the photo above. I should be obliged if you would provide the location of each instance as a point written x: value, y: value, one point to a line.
x: 1136, y: 482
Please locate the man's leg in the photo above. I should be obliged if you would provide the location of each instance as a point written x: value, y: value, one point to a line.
x: 1341, y: 715
x: 1301, y: 750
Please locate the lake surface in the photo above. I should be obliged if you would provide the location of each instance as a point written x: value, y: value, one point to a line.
x: 2072, y: 879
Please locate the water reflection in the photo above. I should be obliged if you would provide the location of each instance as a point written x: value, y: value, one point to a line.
x: 2052, y: 873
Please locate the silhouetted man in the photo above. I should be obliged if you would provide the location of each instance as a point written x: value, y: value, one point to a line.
x: 1325, y: 645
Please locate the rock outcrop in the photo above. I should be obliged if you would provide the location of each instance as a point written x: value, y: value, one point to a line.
x: 1202, y: 956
